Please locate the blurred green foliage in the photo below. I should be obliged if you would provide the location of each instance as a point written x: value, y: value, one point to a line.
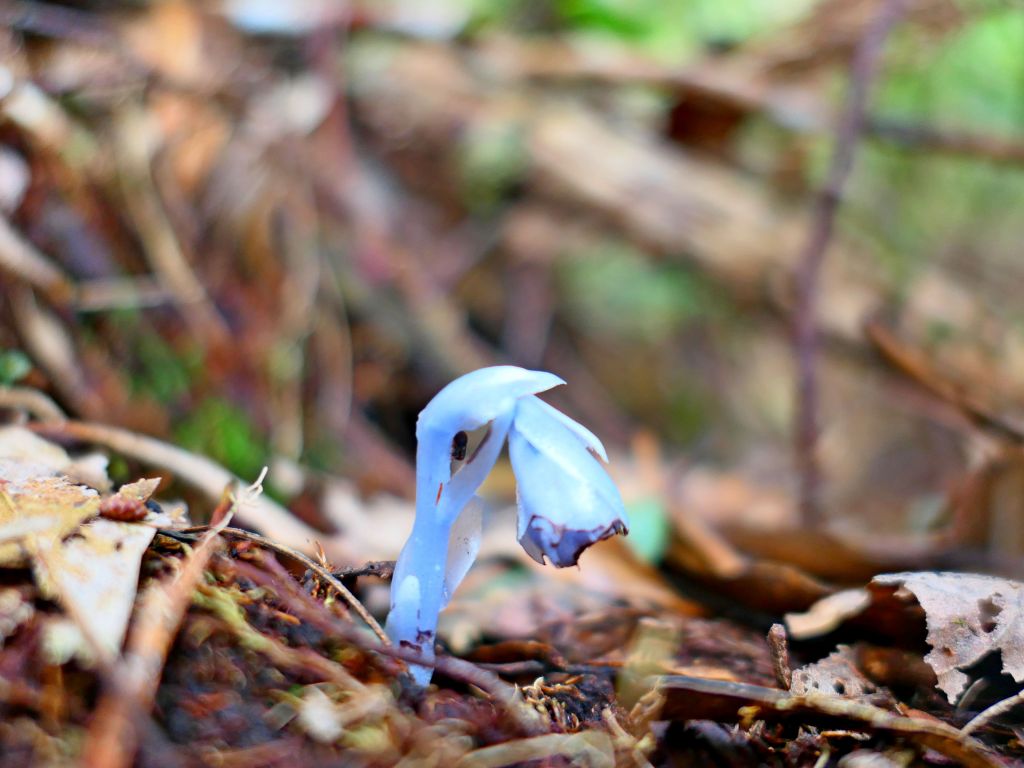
x: 649, y: 529
x: 222, y: 431
x: 668, y: 29
x: 615, y: 290
x: 14, y: 366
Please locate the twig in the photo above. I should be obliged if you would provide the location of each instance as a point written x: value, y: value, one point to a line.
x: 113, y: 736
x: 320, y: 571
x: 527, y: 719
x: 36, y: 403
x: 690, y: 697
x: 779, y: 648
x: 103, y: 294
x: 913, y: 364
x: 382, y: 569
x: 959, y: 143
x: 49, y: 343
x: 997, y: 709
x: 22, y: 259
x: 851, y: 126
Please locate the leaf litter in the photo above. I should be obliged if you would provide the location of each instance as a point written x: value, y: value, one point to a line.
x: 574, y: 677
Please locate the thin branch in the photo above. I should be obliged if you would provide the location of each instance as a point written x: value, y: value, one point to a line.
x: 1002, y: 150
x: 850, y: 129
x: 23, y: 260
x: 914, y: 364
x: 203, y: 474
x: 997, y: 709
x: 161, y: 244
x: 32, y: 401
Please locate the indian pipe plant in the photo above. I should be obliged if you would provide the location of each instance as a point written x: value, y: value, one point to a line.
x: 566, y: 501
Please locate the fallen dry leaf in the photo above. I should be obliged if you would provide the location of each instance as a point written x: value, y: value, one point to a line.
x: 827, y: 614
x: 24, y: 455
x: 969, y: 616
x: 94, y: 575
x: 40, y: 512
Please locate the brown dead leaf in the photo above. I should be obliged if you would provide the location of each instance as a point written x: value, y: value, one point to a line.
x: 40, y: 512
x: 836, y: 674
x: 968, y: 616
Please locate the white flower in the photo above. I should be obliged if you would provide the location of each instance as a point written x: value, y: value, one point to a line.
x: 566, y: 500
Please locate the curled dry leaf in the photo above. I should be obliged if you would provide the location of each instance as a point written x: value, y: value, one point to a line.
x: 968, y: 617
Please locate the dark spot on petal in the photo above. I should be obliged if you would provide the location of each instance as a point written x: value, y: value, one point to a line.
x: 565, y: 545
x: 459, y: 443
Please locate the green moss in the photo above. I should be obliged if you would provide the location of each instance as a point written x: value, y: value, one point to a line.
x: 220, y: 430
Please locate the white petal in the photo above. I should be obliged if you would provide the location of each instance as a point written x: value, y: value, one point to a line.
x: 463, y: 546
x: 588, y: 438
x: 473, y: 400
x: 562, y: 447
x: 566, y: 500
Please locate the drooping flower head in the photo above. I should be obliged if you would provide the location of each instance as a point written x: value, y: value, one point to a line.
x: 566, y: 500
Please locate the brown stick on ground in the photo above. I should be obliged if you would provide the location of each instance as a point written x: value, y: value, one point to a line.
x: 851, y: 127
x: 779, y: 649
